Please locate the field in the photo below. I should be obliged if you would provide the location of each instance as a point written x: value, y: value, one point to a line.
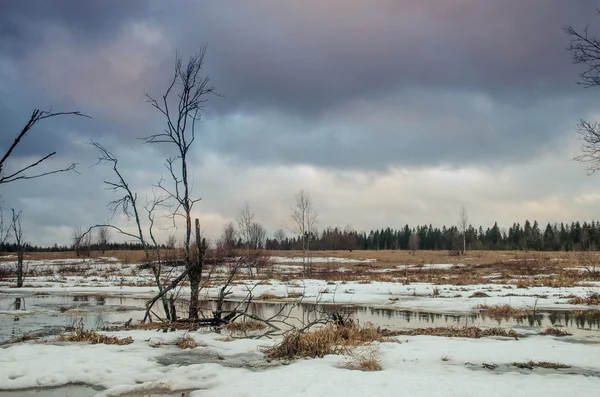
x: 487, y: 323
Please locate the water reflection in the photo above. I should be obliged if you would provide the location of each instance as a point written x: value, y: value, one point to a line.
x: 95, y: 311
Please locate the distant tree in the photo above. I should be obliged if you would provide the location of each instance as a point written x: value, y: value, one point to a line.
x: 304, y: 221
x: 82, y: 241
x: 103, y: 238
x: 413, y: 242
x: 463, y: 223
x: 245, y: 220
x: 228, y: 236
x: 171, y: 241
x: 279, y: 236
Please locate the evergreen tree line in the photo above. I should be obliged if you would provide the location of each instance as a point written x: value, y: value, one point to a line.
x: 12, y: 247
x: 554, y: 237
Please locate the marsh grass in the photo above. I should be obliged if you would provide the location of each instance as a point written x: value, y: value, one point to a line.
x: 330, y: 339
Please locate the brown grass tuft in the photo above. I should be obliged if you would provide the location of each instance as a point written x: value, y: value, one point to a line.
x: 539, y: 364
x: 479, y: 294
x: 186, y: 342
x: 244, y: 327
x: 295, y: 294
x: 499, y: 312
x: 456, y: 332
x: 368, y: 359
x: 330, y: 339
x: 555, y: 331
x: 268, y: 296
x: 81, y: 335
x: 591, y: 299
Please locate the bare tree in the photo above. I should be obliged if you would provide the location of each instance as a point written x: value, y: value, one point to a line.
x: 4, y: 229
x: 414, y: 242
x: 279, y: 236
x: 17, y: 234
x: 103, y: 238
x: 228, y: 239
x: 463, y: 223
x: 82, y: 241
x: 304, y: 219
x: 258, y: 235
x: 171, y: 241
x: 585, y: 50
x: 21, y: 174
x: 128, y: 204
x: 182, y: 106
x: 245, y: 220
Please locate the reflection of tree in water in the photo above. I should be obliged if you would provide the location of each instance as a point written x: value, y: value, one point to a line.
x: 19, y: 304
x: 582, y: 319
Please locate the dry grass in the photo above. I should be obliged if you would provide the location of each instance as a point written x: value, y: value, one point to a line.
x: 525, y: 269
x: 590, y: 299
x: 367, y: 359
x: 456, y: 332
x: 186, y: 342
x: 268, y: 296
x: 479, y: 294
x: 330, y: 339
x: 499, y: 312
x: 81, y: 335
x: 245, y: 327
x: 539, y: 364
x: 555, y: 331
x: 295, y: 294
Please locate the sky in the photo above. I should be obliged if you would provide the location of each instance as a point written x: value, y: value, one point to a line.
x: 386, y: 112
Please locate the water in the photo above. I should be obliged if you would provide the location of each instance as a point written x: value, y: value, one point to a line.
x: 62, y: 391
x: 43, y: 315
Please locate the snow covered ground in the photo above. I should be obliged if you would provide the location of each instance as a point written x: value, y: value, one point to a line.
x: 418, y: 366
x: 413, y: 366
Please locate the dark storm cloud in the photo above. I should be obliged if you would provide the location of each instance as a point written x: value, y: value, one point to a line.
x: 366, y: 86
x: 313, y: 55
x: 23, y: 24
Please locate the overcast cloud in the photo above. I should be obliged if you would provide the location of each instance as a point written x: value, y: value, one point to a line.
x: 388, y: 112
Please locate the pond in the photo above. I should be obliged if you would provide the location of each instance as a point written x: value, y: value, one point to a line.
x: 45, y: 315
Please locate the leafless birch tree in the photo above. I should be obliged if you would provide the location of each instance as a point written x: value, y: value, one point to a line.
x: 304, y: 221
x: 103, y: 238
x: 17, y: 234
x: 182, y: 106
x: 463, y: 223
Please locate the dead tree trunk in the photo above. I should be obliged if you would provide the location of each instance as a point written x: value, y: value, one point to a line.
x: 18, y: 236
x: 195, y: 274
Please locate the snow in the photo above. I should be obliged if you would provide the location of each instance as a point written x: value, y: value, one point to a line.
x: 412, y: 367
